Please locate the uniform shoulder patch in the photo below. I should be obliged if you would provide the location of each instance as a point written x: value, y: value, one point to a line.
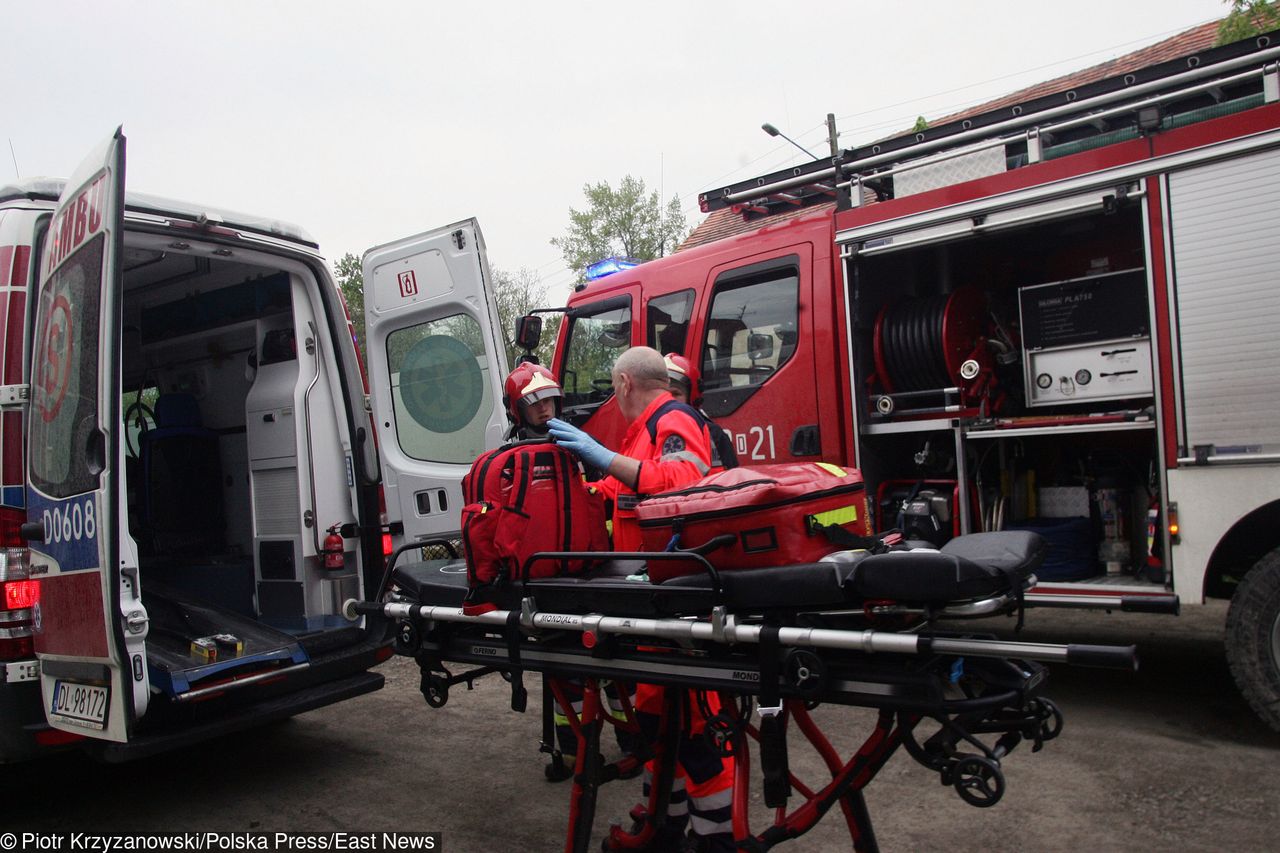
x: 673, y: 444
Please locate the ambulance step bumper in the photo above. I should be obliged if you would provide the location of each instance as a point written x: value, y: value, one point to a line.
x: 251, y: 716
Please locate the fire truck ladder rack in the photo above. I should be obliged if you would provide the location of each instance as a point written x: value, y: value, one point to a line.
x: 1196, y: 87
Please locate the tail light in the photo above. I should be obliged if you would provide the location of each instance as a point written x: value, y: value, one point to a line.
x: 383, y: 522
x: 19, y: 594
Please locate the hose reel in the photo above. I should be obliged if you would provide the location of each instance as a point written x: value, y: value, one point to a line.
x: 932, y: 346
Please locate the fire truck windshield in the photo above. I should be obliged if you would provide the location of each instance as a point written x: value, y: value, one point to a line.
x: 593, y: 345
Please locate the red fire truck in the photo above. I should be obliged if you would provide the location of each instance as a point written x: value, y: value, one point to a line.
x: 1056, y: 315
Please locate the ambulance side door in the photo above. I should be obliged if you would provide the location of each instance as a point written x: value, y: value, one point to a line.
x: 437, y: 361
x: 90, y: 625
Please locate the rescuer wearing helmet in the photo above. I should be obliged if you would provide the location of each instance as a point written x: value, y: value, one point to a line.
x: 532, y: 396
x: 686, y: 387
x: 674, y: 454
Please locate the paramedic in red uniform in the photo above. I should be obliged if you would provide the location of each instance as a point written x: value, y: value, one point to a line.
x: 679, y: 454
x: 533, y: 397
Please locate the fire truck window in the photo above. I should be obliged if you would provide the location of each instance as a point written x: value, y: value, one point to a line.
x: 667, y: 321
x: 440, y: 389
x: 64, y: 386
x: 752, y: 331
x: 595, y: 342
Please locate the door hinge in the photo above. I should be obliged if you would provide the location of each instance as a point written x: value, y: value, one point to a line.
x: 14, y: 396
x: 22, y: 670
x: 459, y: 239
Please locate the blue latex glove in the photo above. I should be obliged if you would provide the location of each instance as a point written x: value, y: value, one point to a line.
x: 588, y: 449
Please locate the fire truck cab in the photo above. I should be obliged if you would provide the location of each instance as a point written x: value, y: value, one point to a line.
x: 1054, y: 315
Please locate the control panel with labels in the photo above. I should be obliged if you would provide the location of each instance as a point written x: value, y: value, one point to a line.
x: 1108, y: 370
x: 1086, y: 339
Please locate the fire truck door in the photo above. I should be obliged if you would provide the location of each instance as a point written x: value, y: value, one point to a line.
x: 90, y: 625
x: 756, y: 353
x: 436, y: 366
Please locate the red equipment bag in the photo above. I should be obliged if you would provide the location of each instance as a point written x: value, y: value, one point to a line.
x: 777, y: 514
x: 524, y: 498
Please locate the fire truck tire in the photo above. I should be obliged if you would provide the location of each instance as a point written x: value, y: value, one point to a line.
x: 1253, y: 638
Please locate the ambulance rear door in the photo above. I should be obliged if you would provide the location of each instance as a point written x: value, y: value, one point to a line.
x: 437, y: 362
x: 89, y: 622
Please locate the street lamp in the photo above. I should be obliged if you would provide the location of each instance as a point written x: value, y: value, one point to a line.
x: 773, y: 131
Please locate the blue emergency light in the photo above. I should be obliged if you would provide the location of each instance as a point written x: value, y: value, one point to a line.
x: 609, y: 266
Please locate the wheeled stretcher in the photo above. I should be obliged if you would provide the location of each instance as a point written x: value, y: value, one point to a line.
x: 773, y: 643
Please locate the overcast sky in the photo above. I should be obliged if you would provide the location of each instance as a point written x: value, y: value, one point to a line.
x: 367, y: 121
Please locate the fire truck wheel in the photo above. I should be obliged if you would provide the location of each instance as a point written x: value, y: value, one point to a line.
x: 1253, y: 638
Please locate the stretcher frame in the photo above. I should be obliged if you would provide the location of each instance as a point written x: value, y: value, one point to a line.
x: 968, y: 685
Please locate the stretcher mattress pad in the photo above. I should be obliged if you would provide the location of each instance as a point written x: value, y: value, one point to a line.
x: 967, y: 568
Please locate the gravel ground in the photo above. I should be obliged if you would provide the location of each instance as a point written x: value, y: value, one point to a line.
x: 1167, y: 757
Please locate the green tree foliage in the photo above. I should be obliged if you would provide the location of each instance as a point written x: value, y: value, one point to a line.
x: 517, y: 294
x: 1248, y: 18
x: 350, y: 277
x: 921, y: 124
x: 628, y: 222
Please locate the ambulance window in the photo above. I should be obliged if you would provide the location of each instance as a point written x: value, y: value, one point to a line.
x: 595, y: 341
x: 65, y: 384
x: 440, y: 389
x: 751, y: 333
x: 667, y: 321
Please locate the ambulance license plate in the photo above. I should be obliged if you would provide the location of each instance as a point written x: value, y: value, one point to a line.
x: 83, y: 705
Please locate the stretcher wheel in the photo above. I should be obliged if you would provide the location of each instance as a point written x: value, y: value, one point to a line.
x: 1050, y: 718
x: 806, y: 673
x: 435, y: 689
x: 979, y: 781
x: 407, y: 641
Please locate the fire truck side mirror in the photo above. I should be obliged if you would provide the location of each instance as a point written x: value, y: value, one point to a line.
x: 528, y: 332
x: 759, y: 346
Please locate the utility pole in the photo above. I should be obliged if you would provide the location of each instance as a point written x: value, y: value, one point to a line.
x: 832, y: 137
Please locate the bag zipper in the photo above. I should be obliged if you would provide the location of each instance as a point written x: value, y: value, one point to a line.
x: 724, y: 513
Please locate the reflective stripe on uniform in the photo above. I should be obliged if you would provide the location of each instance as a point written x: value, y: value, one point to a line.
x: 678, y: 806
x: 687, y: 456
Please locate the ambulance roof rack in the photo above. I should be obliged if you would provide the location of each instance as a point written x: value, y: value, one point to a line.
x: 1190, y: 88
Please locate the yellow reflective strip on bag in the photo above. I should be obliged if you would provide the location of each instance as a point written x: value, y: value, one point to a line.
x: 832, y: 469
x: 835, y: 517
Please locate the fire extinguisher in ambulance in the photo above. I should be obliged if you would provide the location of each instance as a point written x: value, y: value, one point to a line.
x: 332, y: 550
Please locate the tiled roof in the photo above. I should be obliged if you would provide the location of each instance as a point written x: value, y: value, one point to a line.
x: 725, y: 222
x: 1191, y: 41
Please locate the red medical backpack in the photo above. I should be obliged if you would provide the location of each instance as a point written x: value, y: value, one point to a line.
x: 524, y: 498
x: 776, y: 514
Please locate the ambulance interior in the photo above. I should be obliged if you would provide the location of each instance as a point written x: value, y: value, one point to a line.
x: 1054, y: 435
x: 234, y: 446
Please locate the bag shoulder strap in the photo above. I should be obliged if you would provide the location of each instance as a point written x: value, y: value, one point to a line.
x: 651, y: 425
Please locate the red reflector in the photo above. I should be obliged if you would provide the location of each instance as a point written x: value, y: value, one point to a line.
x: 387, y: 547
x: 16, y: 648
x: 589, y: 639
x: 383, y: 653
x: 53, y: 737
x: 10, y: 523
x: 21, y: 594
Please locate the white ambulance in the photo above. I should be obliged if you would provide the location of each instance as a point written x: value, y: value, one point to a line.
x: 189, y: 470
